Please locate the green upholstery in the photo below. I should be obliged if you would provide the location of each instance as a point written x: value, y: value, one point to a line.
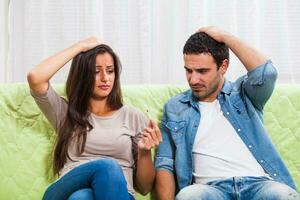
x: 26, y: 138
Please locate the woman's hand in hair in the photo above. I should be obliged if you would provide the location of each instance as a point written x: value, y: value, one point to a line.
x: 151, y: 137
x: 89, y: 43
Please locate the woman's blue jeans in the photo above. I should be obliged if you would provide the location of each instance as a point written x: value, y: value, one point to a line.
x: 100, y: 179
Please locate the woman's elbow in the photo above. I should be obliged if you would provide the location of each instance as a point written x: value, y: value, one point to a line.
x: 36, y: 83
x: 145, y: 189
x: 145, y: 186
x: 32, y: 78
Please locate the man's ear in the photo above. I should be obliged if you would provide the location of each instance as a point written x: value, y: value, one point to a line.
x: 224, y: 66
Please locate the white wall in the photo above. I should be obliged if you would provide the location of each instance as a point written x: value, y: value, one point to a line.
x: 149, y: 35
x: 3, y: 39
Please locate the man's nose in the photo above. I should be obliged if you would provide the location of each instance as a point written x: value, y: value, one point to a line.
x: 194, y: 78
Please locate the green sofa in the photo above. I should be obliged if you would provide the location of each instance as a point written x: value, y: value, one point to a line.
x: 26, y: 138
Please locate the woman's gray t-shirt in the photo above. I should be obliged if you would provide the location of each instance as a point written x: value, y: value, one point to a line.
x: 115, y: 136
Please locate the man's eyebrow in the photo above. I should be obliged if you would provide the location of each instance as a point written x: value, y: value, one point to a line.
x: 197, y: 69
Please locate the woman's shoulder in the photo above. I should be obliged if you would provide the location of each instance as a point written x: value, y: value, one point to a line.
x: 134, y: 118
x: 132, y: 110
x: 134, y: 113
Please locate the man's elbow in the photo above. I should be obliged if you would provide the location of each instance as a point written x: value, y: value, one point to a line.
x: 270, y: 73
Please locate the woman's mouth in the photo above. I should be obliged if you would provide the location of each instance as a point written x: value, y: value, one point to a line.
x: 104, y: 87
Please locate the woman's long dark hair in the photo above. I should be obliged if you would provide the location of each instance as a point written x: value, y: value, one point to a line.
x: 79, y: 90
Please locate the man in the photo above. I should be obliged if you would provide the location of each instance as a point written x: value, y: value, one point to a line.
x: 214, y: 142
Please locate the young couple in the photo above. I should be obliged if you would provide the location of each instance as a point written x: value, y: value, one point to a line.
x: 211, y: 145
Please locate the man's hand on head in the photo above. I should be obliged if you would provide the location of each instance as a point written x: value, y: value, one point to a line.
x: 214, y: 32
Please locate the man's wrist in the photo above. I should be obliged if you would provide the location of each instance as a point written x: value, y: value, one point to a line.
x: 228, y: 39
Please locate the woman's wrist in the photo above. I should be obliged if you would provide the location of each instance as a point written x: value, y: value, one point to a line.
x: 78, y: 47
x: 144, y: 152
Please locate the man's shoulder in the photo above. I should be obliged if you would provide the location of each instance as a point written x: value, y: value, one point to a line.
x: 179, y: 100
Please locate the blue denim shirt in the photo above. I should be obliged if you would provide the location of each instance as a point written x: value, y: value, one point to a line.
x: 242, y: 103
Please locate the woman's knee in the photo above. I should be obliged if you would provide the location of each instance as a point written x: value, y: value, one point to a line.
x: 83, y: 194
x: 107, y: 164
x: 109, y: 167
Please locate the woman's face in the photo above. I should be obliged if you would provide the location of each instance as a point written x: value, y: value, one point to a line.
x: 104, y: 76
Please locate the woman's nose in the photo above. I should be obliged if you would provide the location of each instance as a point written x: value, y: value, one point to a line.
x: 104, y: 77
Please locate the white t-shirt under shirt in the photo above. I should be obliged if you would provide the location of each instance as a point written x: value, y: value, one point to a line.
x: 218, y: 151
x: 115, y: 136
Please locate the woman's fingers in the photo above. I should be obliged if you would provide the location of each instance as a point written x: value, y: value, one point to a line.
x: 151, y: 136
x: 90, y: 43
x: 157, y: 131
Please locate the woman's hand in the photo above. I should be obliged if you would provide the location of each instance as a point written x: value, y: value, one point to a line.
x: 145, y: 174
x: 151, y: 137
x: 39, y: 76
x: 89, y: 43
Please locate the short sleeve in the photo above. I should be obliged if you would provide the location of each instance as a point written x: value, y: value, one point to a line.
x: 52, y: 105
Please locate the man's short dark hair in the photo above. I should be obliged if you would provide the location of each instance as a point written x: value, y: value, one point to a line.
x: 200, y: 42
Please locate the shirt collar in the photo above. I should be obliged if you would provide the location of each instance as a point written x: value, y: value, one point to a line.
x: 227, y: 87
x: 189, y: 97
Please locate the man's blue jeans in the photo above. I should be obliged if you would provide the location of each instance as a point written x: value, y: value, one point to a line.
x: 100, y: 179
x: 239, y: 188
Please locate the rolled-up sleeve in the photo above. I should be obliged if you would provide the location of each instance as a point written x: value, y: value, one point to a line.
x: 259, y: 84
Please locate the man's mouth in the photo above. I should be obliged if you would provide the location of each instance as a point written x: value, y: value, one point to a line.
x: 197, y: 87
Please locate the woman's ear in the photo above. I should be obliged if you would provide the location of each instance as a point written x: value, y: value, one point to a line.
x: 224, y: 66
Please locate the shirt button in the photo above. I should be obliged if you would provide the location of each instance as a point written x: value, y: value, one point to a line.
x: 261, y: 161
x: 175, y: 128
x: 227, y: 113
x: 250, y: 146
x: 275, y: 174
x: 239, y: 130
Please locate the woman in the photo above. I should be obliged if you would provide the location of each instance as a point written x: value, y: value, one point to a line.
x: 102, y: 145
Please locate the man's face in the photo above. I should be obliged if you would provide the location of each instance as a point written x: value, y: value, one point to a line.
x: 204, y: 78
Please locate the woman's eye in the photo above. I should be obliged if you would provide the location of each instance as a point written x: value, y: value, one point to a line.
x: 110, y: 71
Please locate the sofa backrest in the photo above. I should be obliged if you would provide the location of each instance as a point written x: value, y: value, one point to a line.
x: 26, y: 138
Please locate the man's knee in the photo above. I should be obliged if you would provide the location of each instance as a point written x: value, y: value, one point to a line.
x: 199, y: 192
x: 277, y: 191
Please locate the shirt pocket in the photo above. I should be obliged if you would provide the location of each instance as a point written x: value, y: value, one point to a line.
x: 240, y: 110
x: 177, y: 130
